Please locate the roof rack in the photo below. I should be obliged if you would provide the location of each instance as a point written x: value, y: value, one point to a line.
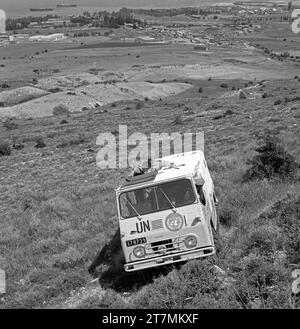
x: 139, y: 179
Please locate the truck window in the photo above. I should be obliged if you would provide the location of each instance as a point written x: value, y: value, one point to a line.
x: 201, y: 194
x: 156, y: 198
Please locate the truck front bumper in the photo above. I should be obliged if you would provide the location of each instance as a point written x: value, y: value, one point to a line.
x: 169, y: 259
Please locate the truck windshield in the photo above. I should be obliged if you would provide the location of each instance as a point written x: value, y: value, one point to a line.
x: 157, y: 198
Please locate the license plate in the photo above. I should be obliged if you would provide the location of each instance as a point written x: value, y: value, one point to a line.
x: 135, y: 242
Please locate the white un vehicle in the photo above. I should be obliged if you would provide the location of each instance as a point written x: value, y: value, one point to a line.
x: 168, y: 215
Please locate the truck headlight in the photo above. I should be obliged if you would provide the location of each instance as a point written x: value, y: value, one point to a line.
x: 190, y: 241
x: 139, y: 252
x: 174, y: 222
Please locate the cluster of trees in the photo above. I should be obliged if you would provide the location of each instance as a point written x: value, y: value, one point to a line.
x: 176, y: 11
x: 21, y: 23
x: 106, y: 19
x: 97, y: 19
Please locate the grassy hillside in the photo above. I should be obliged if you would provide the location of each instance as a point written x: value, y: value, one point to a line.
x: 58, y: 209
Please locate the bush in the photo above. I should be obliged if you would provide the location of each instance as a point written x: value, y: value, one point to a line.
x: 60, y: 110
x: 40, y: 143
x: 228, y: 216
x: 264, y: 240
x: 277, y: 102
x: 224, y: 85
x: 80, y: 139
x: 4, y: 149
x: 5, y: 85
x: 139, y: 105
x: 9, y: 124
x: 266, y: 95
x: 272, y: 160
x: 180, y: 288
x: 178, y: 120
x: 55, y: 90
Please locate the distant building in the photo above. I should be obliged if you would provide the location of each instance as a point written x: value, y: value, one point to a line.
x: 50, y: 23
x: 47, y: 38
x: 144, y: 39
x: 19, y: 37
x: 4, y: 38
x: 128, y: 25
x: 58, y: 22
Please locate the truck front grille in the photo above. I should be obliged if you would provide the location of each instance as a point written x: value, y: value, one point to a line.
x: 163, y: 247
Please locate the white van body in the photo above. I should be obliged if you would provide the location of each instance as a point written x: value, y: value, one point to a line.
x: 168, y: 215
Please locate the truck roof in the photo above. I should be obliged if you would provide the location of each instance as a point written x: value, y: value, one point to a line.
x: 171, y: 167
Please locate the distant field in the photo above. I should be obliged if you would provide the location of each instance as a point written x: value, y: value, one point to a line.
x: 118, y: 44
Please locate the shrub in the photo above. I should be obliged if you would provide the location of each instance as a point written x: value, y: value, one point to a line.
x: 139, y: 105
x: 68, y: 259
x: 178, y: 120
x: 180, y: 287
x: 4, y: 149
x: 40, y: 143
x: 224, y: 85
x: 266, y: 95
x: 18, y: 146
x: 5, y: 85
x: 9, y: 124
x: 80, y: 139
x: 217, y: 117
x: 272, y: 160
x: 277, y: 102
x: 60, y: 110
x: 55, y: 90
x: 264, y: 240
x: 242, y: 94
x: 261, y: 283
x: 228, y: 215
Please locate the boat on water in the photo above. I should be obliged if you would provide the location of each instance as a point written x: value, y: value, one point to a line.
x: 41, y: 9
x: 66, y: 5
